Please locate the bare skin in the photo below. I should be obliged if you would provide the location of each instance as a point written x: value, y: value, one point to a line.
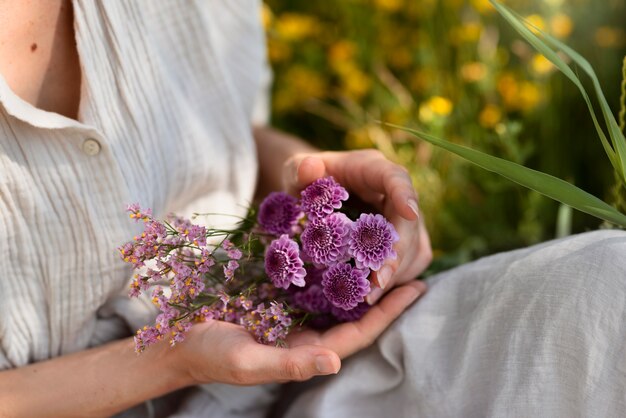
x: 39, y: 61
x: 38, y: 57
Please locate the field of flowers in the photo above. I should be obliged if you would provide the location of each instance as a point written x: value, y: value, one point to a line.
x: 453, y: 68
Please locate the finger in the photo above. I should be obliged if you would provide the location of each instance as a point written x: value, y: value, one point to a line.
x: 257, y: 363
x: 408, y: 232
x: 302, y: 169
x: 373, y: 173
x: 309, y: 169
x: 415, y: 258
x: 417, y: 264
x: 397, y: 187
x: 350, y: 337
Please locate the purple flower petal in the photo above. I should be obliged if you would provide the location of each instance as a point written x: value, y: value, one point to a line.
x: 278, y: 213
x: 312, y: 300
x: 283, y: 264
x: 345, y: 286
x: 322, y: 197
x: 372, y: 241
x: 325, y: 240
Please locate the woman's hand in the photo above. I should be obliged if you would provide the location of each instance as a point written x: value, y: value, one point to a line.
x: 384, y: 185
x: 348, y: 338
x: 217, y: 351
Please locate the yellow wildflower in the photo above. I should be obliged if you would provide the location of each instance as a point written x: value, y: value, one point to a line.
x: 529, y: 96
x: 356, y: 84
x: 524, y: 96
x: 541, y: 65
x: 561, y: 25
x: 535, y: 22
x: 508, y: 88
x: 294, y: 26
x: 468, y: 32
x: 341, y: 51
x: 440, y: 105
x: 490, y: 116
x: 482, y: 6
x: 436, y: 106
x: 473, y: 71
x: 389, y: 5
x: 300, y: 84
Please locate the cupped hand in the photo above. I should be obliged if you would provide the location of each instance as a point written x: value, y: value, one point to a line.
x: 388, y: 188
x: 221, y: 352
x: 216, y: 351
x: 349, y: 337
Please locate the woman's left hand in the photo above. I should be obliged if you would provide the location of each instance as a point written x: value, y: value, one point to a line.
x: 384, y: 185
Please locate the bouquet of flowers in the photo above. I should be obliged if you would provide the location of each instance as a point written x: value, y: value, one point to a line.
x: 294, y: 262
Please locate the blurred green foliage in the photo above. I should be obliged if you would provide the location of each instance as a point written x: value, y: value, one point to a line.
x: 455, y: 69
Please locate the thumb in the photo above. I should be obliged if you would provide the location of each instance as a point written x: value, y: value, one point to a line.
x: 298, y: 363
x: 301, y: 170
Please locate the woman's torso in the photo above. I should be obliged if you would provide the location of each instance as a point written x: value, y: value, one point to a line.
x: 166, y: 101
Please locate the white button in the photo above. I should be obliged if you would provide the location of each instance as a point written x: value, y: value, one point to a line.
x: 91, y: 146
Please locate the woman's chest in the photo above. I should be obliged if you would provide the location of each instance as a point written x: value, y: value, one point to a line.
x: 38, y: 57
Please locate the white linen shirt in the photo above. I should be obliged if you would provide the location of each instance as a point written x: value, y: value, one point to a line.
x: 169, y: 92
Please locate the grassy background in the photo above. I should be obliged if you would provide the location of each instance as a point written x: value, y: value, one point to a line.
x: 455, y: 69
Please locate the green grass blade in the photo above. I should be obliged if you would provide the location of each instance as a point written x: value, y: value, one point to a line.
x: 619, y: 142
x: 618, y: 163
x: 545, y: 184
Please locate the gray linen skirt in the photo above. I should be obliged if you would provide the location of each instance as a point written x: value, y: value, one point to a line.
x: 536, y: 332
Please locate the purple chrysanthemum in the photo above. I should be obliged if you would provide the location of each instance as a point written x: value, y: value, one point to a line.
x: 283, y: 264
x: 325, y: 240
x: 372, y: 241
x: 345, y: 286
x: 278, y: 213
x: 312, y: 300
x: 322, y: 197
x: 353, y: 314
x: 314, y: 275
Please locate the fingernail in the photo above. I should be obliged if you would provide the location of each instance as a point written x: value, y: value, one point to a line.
x: 414, y: 297
x: 295, y: 174
x: 412, y: 203
x: 324, y: 365
x: 384, y: 275
x: 374, y: 295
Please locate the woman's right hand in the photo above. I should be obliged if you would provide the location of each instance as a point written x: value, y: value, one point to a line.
x: 217, y: 351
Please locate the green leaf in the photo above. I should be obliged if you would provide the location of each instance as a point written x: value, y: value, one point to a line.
x: 619, y: 142
x: 545, y: 184
x: 617, y: 161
